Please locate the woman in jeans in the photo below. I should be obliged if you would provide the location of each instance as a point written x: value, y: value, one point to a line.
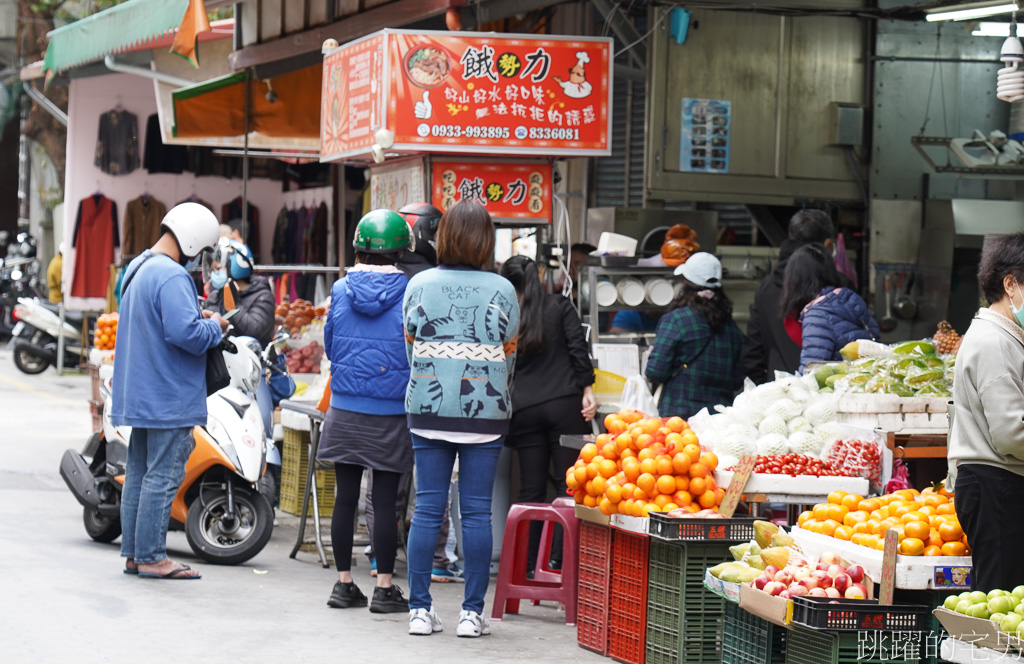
x: 365, y: 425
x: 986, y: 443
x: 554, y: 393
x: 461, y: 323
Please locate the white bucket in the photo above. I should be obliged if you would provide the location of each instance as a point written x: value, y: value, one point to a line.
x: 659, y: 291
x: 631, y: 291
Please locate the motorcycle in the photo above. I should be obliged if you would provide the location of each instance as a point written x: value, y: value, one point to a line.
x: 224, y: 504
x: 34, y: 342
x: 19, y: 277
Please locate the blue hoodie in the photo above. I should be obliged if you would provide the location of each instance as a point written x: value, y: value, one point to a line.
x: 365, y: 342
x: 835, y: 318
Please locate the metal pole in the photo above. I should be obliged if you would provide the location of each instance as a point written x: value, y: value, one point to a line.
x: 245, y: 162
x: 60, y: 341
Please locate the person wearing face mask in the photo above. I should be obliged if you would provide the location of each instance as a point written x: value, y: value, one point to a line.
x: 986, y: 441
x: 232, y: 285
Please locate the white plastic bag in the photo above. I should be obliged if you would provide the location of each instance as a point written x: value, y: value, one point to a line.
x: 637, y: 396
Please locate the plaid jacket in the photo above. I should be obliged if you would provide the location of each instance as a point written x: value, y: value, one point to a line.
x: 711, y: 377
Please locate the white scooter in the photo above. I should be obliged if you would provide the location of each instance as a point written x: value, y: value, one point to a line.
x: 34, y: 339
x: 224, y: 504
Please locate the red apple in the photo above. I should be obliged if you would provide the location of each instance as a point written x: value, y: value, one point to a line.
x: 841, y: 582
x: 833, y: 602
x: 774, y: 588
x: 771, y: 570
x: 824, y: 580
x: 816, y: 592
x: 801, y: 573
x: 798, y: 590
x: 784, y: 577
x: 836, y: 570
x: 761, y: 581
x: 856, y: 573
x: 809, y: 583
x: 830, y: 558
x: 861, y: 587
x: 823, y: 566
x: 832, y: 592
x: 853, y: 592
x: 785, y: 594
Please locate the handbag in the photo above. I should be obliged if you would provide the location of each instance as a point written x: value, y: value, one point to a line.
x: 217, y: 376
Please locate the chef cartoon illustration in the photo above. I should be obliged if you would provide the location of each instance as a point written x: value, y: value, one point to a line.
x: 577, y: 86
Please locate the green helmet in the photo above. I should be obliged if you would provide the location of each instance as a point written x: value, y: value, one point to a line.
x: 381, y: 232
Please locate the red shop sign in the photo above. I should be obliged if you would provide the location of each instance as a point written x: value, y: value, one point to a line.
x: 471, y: 93
x: 510, y: 191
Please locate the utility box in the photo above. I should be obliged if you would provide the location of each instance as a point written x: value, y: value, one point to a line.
x: 849, y: 124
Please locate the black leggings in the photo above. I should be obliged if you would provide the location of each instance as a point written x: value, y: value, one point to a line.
x: 385, y: 529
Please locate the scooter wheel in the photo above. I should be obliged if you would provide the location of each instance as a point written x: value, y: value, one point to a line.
x: 101, y: 528
x: 28, y: 363
x: 222, y: 541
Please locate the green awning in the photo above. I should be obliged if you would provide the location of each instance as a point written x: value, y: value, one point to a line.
x: 122, y: 27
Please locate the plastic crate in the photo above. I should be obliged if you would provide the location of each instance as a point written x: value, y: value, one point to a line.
x: 808, y: 646
x: 853, y: 615
x: 934, y: 632
x: 734, y: 530
x: 294, y: 459
x: 684, y: 619
x: 594, y: 586
x: 747, y: 639
x: 627, y: 604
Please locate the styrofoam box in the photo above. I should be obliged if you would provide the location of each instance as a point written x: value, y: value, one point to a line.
x: 912, y: 572
x: 633, y: 524
x: 892, y: 413
x: 802, y: 485
x: 958, y: 652
x: 100, y: 357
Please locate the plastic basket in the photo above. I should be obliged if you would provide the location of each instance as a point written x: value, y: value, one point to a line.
x: 807, y: 646
x: 627, y: 606
x: 684, y: 619
x: 736, y: 529
x: 293, y: 477
x: 855, y: 615
x: 747, y: 639
x: 594, y: 585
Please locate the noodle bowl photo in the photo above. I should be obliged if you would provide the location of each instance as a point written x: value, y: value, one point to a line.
x: 427, y: 66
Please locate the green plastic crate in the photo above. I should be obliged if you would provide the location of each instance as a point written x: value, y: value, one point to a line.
x: 933, y: 638
x: 809, y: 646
x: 684, y: 619
x: 748, y: 639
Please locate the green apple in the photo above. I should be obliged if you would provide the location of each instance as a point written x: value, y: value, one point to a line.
x: 979, y: 610
x: 951, y: 602
x: 977, y: 596
x: 1018, y: 592
x: 962, y: 606
x: 1020, y: 630
x: 997, y: 617
x: 996, y: 593
x: 1010, y: 623
x: 1001, y: 604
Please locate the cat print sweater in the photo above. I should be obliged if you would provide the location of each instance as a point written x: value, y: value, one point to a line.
x: 460, y: 333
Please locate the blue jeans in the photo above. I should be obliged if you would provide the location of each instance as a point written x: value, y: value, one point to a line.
x: 156, y: 467
x: 434, y: 462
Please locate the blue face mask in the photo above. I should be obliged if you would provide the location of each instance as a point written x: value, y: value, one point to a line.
x: 218, y: 279
x: 191, y: 264
x: 1018, y: 314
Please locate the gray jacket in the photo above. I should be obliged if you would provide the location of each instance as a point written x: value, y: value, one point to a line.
x: 988, y: 396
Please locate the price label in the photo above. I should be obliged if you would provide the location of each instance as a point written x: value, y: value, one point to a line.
x: 739, y: 480
x: 888, y: 583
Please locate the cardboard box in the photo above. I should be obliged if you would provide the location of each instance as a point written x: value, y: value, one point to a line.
x: 592, y: 515
x: 775, y: 610
x: 724, y: 589
x: 977, y: 631
x: 633, y: 524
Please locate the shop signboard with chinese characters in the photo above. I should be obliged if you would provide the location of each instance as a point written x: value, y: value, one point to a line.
x: 469, y: 93
x: 511, y: 192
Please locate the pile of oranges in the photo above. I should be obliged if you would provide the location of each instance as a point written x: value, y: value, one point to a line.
x: 106, y: 331
x: 643, y: 465
x: 925, y: 522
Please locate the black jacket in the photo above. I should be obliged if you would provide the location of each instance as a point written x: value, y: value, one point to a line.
x: 563, y: 368
x: 255, y: 317
x: 768, y: 347
x: 414, y: 262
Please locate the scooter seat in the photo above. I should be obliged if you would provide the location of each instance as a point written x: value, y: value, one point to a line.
x: 74, y: 318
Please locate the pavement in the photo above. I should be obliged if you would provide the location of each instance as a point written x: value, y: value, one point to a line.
x: 64, y: 597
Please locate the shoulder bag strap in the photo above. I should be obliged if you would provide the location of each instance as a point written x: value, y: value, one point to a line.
x: 131, y: 276
x: 683, y: 367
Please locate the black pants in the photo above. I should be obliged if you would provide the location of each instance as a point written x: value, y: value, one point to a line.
x: 989, y: 502
x: 385, y: 530
x: 535, y: 434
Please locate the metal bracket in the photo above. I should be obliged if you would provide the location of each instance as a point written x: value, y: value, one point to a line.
x: 990, y: 172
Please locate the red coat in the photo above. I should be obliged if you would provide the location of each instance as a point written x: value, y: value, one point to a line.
x: 94, y: 240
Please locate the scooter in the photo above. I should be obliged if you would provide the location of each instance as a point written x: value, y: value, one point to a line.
x: 34, y: 340
x: 222, y: 504
x: 19, y: 277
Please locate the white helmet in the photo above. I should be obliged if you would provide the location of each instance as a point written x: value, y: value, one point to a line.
x: 194, y: 226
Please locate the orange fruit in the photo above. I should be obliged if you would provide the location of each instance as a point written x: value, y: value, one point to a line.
x: 640, y: 494
x: 666, y: 485
x: 816, y: 527
x: 914, y: 516
x: 610, y: 451
x: 851, y: 501
x: 613, y: 492
x: 581, y: 475
x: 647, y: 509
x: 683, y: 498
x: 837, y: 513
x: 668, y: 507
x: 664, y: 465
x: 853, y: 518
x: 820, y: 512
x: 719, y: 495
x: 598, y: 485
x: 869, y: 504
x: 692, y: 450
x: 843, y: 533
x: 631, y: 467
x: 934, y: 539
x: 804, y: 517
x: 622, y: 443
x: 945, y: 508
x: 644, y: 440
x: 954, y: 549
x: 932, y: 551
x: 918, y: 530
x: 589, y: 501
x: 617, y: 427
x: 710, y: 483
x: 710, y: 461
x: 648, y: 466
x: 690, y: 438
x: 594, y: 467
x: 681, y: 463
x: 862, y: 527
x: 647, y: 483
x: 626, y: 507
x: 682, y: 483
x: 951, y: 532
x: 606, y: 507
x: 646, y: 453
x: 836, y: 497
x: 661, y: 501
x: 698, y: 470
x: 675, y: 424
x: 934, y: 500
x: 912, y: 546
x: 674, y: 441
x: 697, y: 486
x: 829, y: 527
x: 608, y: 468
x: 588, y: 452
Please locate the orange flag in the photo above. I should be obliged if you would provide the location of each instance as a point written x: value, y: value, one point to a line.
x: 195, y: 21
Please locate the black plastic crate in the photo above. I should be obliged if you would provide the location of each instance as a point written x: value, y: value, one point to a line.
x: 748, y: 639
x: 856, y: 615
x: 735, y: 530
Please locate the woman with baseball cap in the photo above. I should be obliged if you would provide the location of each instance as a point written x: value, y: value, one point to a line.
x: 696, y: 352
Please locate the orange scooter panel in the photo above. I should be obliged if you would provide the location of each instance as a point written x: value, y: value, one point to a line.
x: 206, y: 454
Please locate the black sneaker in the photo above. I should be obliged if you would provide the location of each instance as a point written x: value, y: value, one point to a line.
x: 388, y: 600
x: 346, y: 595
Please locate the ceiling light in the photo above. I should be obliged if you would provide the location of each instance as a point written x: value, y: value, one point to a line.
x: 988, y: 29
x: 972, y: 12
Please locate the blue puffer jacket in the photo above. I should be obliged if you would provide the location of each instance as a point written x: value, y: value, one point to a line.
x: 365, y: 341
x: 835, y: 318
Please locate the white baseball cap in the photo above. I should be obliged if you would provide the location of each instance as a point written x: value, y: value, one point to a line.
x: 702, y: 269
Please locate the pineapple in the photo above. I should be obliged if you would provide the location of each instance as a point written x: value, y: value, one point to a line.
x: 946, y: 339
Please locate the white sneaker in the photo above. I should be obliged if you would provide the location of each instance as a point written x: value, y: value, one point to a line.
x: 472, y: 625
x: 423, y: 622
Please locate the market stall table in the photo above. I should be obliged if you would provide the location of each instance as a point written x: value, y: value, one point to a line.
x: 316, y: 419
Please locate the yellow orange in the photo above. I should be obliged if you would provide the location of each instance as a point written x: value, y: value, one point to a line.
x: 918, y: 530
x: 675, y: 424
x: 829, y: 527
x: 692, y: 450
x: 581, y: 475
x: 681, y: 463
x: 912, y: 546
x: 683, y: 498
x: 804, y: 517
x: 647, y: 483
x: 668, y: 507
x: 698, y: 470
x: 661, y: 501
x: 869, y: 504
x: 697, y: 486
x: 932, y: 550
x: 606, y: 507
x: 954, y: 549
x: 682, y: 483
x: 836, y: 497
x: 588, y: 452
x: 707, y: 499
x: 631, y: 468
x: 664, y: 465
x: 666, y: 485
x: 951, y: 532
x: 851, y: 501
x: 614, y: 493
x: 649, y: 466
x: 843, y: 533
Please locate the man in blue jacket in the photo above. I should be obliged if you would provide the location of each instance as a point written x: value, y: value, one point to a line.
x: 159, y: 385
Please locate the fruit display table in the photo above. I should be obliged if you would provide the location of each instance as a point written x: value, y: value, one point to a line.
x: 799, y: 490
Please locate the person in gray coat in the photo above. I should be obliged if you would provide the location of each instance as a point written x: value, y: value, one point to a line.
x: 233, y: 286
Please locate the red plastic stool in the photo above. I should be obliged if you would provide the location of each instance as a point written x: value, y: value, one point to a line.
x: 547, y: 536
x: 512, y: 584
